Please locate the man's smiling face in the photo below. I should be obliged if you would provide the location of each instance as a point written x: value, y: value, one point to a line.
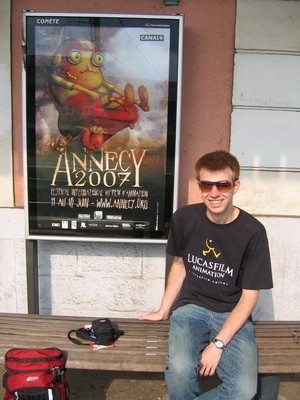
x: 219, y: 203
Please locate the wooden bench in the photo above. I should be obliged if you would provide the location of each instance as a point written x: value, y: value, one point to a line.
x: 144, y: 346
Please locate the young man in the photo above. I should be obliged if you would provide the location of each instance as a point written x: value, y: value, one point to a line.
x: 221, y: 261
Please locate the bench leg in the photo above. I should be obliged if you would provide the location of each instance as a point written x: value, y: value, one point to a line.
x: 268, y: 387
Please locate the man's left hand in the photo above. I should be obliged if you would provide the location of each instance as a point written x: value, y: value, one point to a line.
x: 209, y: 360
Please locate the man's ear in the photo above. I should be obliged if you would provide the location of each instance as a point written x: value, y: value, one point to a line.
x: 236, y: 186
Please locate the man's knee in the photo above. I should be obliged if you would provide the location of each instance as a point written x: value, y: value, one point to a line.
x: 179, y: 370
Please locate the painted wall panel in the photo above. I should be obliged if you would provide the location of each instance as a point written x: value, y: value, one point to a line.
x: 267, y: 145
x: 264, y: 138
x: 264, y: 80
x: 269, y: 193
x: 268, y: 24
x: 282, y: 302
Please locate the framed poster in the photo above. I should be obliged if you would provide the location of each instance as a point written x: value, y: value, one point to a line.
x: 101, y: 109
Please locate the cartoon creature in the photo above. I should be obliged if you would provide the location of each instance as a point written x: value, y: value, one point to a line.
x: 90, y: 108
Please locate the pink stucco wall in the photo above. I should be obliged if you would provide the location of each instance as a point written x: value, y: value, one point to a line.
x: 207, y: 75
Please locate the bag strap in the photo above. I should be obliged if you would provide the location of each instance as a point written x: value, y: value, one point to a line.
x: 80, y: 333
x: 85, y: 335
x: 118, y: 333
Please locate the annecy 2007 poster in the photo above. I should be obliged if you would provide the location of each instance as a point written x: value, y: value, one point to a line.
x: 101, y: 109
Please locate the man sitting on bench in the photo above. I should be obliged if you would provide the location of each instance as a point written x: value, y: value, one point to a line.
x: 221, y: 261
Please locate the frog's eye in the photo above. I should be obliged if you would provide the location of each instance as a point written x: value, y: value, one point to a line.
x: 97, y: 59
x: 74, y: 57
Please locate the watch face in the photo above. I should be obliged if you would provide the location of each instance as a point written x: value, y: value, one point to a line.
x: 219, y: 344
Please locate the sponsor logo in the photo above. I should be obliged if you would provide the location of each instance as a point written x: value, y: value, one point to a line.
x: 126, y: 225
x: 152, y: 38
x: 84, y: 216
x: 98, y: 214
x: 64, y: 224
x: 114, y: 217
x: 140, y: 225
x: 73, y: 224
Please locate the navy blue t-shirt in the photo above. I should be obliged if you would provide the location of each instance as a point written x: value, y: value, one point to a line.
x: 220, y: 259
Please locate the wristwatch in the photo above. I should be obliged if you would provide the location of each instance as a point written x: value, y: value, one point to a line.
x: 219, y: 344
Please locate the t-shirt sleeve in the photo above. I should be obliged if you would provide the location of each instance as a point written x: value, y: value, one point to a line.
x: 255, y: 272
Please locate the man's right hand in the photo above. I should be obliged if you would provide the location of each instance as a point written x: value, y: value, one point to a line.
x: 154, y: 316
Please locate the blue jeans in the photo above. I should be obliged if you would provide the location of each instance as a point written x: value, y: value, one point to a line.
x: 191, y: 330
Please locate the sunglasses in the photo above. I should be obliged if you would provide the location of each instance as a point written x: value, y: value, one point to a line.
x: 222, y: 186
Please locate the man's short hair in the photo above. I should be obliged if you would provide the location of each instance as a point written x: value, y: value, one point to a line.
x: 217, y: 160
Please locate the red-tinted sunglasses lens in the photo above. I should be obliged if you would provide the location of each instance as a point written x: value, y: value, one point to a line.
x: 222, y: 186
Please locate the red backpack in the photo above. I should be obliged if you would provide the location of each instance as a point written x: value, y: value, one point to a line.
x: 35, y: 374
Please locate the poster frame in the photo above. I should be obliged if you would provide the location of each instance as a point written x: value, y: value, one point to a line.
x: 172, y: 135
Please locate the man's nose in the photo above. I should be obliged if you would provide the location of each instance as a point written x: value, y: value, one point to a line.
x: 214, y: 191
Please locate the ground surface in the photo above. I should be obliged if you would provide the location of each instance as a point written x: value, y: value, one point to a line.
x: 97, y: 385
x: 129, y: 386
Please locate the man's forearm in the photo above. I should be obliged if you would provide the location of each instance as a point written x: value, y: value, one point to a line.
x: 239, y: 315
x: 175, y: 281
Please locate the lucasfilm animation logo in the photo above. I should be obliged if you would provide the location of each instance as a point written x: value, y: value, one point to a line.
x: 152, y: 38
